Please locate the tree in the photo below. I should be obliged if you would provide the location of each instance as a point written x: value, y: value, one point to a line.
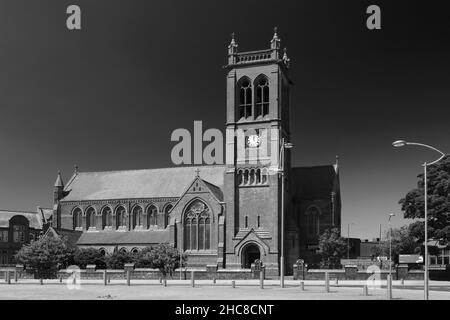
x: 332, y: 247
x: 438, y: 197
x: 118, y: 259
x: 46, y: 255
x: 403, y: 242
x: 163, y: 257
x: 86, y: 256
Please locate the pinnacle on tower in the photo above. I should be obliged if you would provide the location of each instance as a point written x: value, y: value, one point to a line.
x: 232, y: 48
x: 275, y: 42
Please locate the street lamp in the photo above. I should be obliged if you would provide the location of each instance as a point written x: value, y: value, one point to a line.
x: 284, y: 146
x: 390, y: 243
x: 402, y: 143
x: 348, y: 240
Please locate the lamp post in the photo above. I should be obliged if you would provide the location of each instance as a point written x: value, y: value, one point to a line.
x: 390, y: 243
x: 402, y: 143
x: 348, y: 240
x: 284, y: 146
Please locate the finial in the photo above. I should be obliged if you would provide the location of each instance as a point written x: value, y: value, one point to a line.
x: 232, y: 48
x: 275, y: 42
x: 75, y: 169
x: 337, y: 160
x: 59, y: 182
x: 197, y: 172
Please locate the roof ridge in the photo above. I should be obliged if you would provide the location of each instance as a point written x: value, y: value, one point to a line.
x: 18, y: 211
x: 132, y: 170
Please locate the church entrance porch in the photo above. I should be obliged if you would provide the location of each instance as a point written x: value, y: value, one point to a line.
x: 249, y: 254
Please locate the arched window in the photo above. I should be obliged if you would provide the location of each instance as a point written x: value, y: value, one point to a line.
x: 259, y: 222
x: 264, y: 174
x: 90, y: 218
x: 102, y: 251
x: 166, y: 214
x: 258, y: 176
x: 312, y: 221
x: 137, y: 217
x: 120, y: 217
x: 239, y: 177
x: 262, y: 97
x: 77, y: 218
x: 123, y: 250
x: 106, y: 217
x: 252, y: 176
x: 135, y: 251
x: 246, y: 177
x: 197, y: 227
x: 245, y: 98
x: 152, y: 214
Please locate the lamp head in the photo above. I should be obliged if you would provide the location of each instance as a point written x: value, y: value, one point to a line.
x: 399, y: 143
x: 288, y: 145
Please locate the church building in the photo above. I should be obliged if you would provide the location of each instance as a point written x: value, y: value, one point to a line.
x: 226, y: 215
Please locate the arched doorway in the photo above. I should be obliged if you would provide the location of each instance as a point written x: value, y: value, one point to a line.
x: 249, y: 254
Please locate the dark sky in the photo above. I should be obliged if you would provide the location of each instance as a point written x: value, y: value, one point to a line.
x: 108, y: 97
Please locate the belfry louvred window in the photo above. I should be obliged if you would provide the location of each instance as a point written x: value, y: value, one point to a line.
x: 245, y: 99
x: 261, y: 97
x: 197, y: 227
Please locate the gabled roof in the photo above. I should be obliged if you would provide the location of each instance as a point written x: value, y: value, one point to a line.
x: 34, y: 218
x: 146, y: 183
x: 315, y: 182
x: 124, y: 237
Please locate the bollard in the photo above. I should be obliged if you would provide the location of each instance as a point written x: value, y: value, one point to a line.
x: 365, y: 290
x: 389, y: 287
x: 8, y: 277
x: 337, y: 281
x: 60, y: 279
x: 261, y: 280
x: 16, y: 276
x: 105, y: 278
x: 233, y: 284
x: 402, y: 282
x: 109, y: 279
x: 165, y: 282
x: 128, y: 277
x: 41, y: 281
x: 192, y: 279
x: 160, y: 280
x: 74, y: 281
x: 327, y: 282
x: 302, y: 285
x: 214, y: 280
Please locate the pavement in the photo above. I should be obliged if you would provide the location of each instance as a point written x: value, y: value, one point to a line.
x: 30, y: 289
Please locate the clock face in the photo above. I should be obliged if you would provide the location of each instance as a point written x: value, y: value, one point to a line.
x: 253, y: 141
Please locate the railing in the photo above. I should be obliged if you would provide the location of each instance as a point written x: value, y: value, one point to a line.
x: 254, y: 56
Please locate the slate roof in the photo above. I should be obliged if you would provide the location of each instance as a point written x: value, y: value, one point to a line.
x: 124, y: 237
x: 35, y: 218
x: 315, y: 182
x: 146, y: 183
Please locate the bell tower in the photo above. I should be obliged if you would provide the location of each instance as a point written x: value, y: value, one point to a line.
x: 258, y: 105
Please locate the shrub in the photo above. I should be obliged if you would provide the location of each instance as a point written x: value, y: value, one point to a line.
x: 118, y: 259
x: 163, y: 257
x: 46, y: 255
x: 83, y: 257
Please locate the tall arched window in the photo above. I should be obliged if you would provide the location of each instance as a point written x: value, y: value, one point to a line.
x: 77, y: 218
x: 312, y: 221
x: 166, y: 214
x: 137, y: 217
x: 261, y: 97
x: 197, y: 227
x: 106, y: 217
x: 90, y: 218
x: 121, y: 217
x: 245, y: 98
x: 152, y: 214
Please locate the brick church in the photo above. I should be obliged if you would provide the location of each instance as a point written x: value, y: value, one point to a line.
x: 225, y: 215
